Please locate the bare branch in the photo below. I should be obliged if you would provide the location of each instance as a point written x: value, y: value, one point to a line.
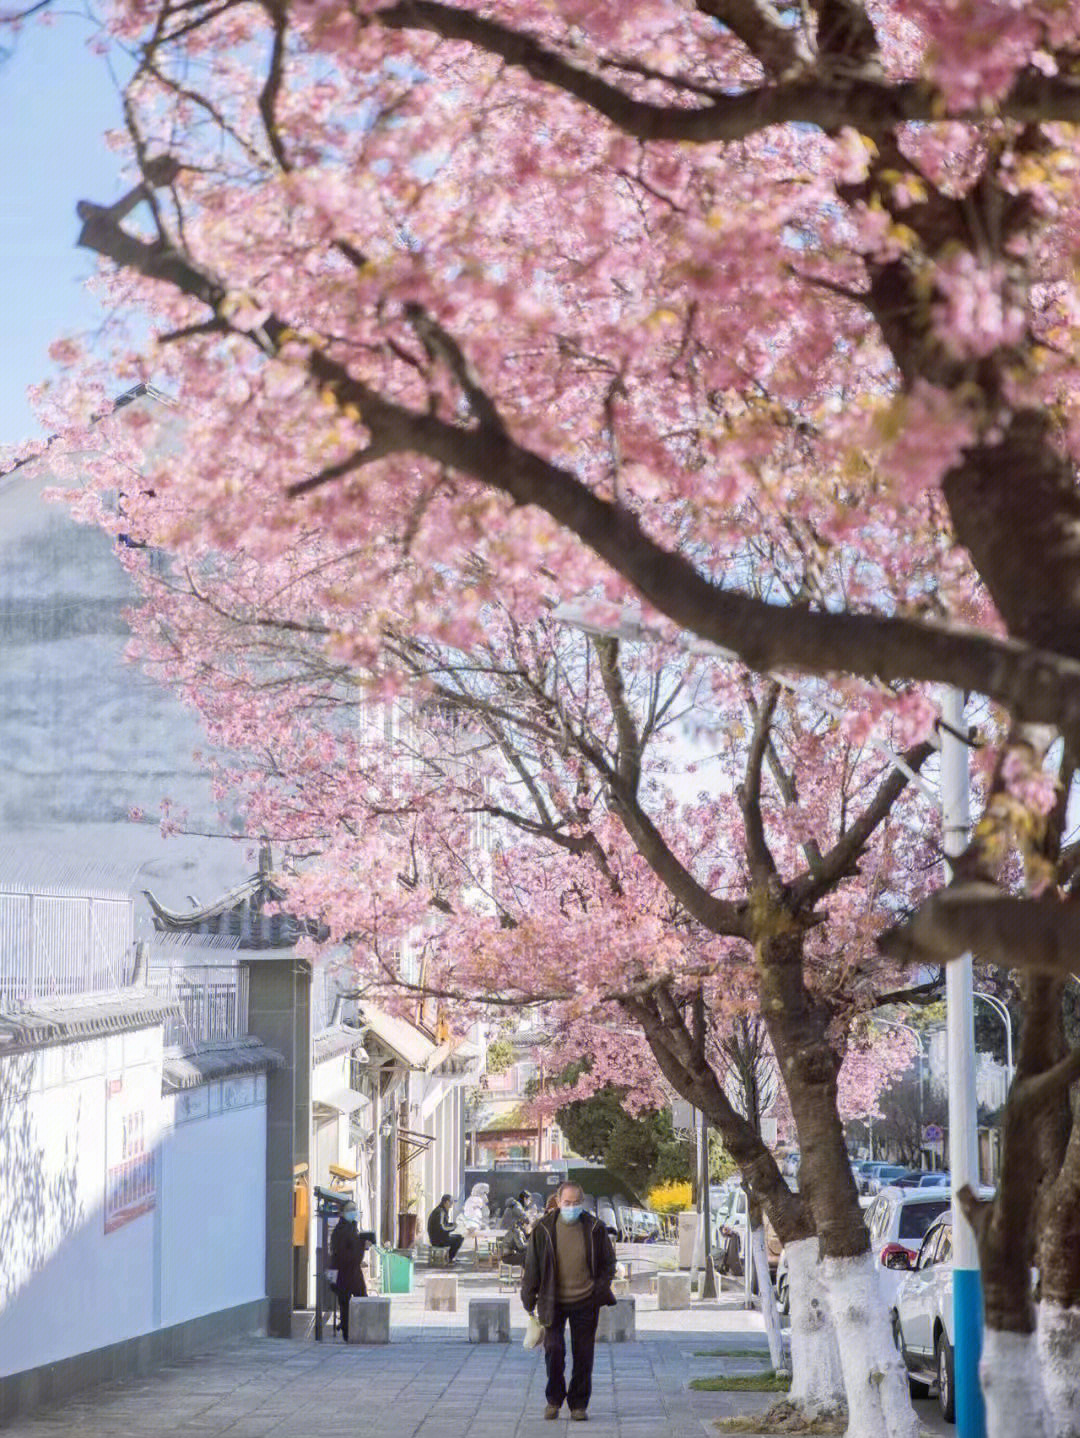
x: 272, y: 86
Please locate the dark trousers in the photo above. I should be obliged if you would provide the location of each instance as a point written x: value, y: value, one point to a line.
x: 583, y: 1318
x: 343, y: 1305
x: 453, y: 1243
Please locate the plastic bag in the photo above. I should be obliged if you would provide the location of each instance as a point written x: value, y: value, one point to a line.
x: 534, y: 1332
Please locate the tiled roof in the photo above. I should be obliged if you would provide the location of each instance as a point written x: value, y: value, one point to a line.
x: 58, y: 1021
x: 216, y: 1061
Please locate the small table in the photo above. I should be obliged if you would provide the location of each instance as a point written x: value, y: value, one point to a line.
x: 490, y: 1238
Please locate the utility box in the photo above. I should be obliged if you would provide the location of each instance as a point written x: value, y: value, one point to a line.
x: 688, y: 1229
x: 369, y: 1320
x: 489, y: 1320
x: 618, y: 1324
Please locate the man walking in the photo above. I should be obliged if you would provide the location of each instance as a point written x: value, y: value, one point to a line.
x: 569, y: 1269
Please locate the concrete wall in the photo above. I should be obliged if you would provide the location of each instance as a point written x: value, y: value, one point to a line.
x: 122, y: 1212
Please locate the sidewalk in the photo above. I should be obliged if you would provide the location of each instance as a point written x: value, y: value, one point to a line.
x: 430, y: 1382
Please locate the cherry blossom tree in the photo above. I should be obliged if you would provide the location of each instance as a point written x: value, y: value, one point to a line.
x: 503, y: 297
x: 512, y: 299
x: 570, y: 751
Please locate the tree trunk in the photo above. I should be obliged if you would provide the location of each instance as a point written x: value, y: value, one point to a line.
x: 817, y: 1384
x: 875, y: 1381
x: 1012, y: 1385
x: 1010, y: 1370
x: 1059, y: 1364
x: 1059, y: 1310
x: 815, y: 1370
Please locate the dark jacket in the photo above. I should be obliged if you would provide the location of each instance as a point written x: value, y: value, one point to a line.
x: 439, y: 1228
x: 538, y: 1287
x: 347, y: 1248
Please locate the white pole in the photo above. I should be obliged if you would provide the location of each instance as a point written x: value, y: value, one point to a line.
x: 963, y: 1133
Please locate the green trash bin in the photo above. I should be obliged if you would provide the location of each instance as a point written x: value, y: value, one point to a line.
x: 397, y: 1272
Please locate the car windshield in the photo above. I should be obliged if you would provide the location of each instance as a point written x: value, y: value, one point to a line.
x: 916, y: 1218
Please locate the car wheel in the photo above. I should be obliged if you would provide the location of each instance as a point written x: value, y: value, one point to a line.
x: 783, y: 1294
x: 946, y: 1388
x: 916, y: 1386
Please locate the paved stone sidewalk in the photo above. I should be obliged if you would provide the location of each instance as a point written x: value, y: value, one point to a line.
x: 430, y: 1382
x: 420, y: 1386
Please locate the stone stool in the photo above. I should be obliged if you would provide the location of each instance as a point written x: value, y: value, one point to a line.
x: 489, y: 1320
x: 440, y: 1293
x: 618, y: 1324
x: 369, y: 1320
x: 672, y: 1290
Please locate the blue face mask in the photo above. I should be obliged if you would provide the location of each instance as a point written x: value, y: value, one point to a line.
x: 349, y: 1215
x: 571, y: 1213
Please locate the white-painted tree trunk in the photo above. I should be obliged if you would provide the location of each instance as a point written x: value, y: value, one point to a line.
x: 1059, y: 1363
x: 875, y: 1380
x: 817, y: 1385
x: 769, y: 1311
x: 1013, y: 1386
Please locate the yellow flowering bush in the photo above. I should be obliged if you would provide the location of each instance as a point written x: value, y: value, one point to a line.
x: 672, y: 1197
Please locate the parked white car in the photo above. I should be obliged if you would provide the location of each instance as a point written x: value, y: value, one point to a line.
x: 898, y: 1220
x: 922, y: 1315
x: 922, y: 1318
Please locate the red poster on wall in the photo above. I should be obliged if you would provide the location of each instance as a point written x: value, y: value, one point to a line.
x: 130, y: 1172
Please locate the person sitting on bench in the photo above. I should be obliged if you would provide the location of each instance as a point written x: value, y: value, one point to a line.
x: 440, y: 1230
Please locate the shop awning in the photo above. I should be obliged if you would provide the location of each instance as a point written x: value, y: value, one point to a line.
x: 345, y: 1100
x: 400, y: 1038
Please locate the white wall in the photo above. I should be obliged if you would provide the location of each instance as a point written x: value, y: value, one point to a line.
x: 66, y: 1284
x: 58, y: 1266
x: 213, y: 1199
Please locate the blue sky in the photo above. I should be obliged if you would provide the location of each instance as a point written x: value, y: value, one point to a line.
x: 56, y: 102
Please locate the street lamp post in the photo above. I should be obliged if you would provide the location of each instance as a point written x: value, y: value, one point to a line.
x: 920, y: 1045
x: 1006, y: 1018
x: 963, y: 1134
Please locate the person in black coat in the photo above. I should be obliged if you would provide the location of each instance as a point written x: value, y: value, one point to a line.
x: 440, y: 1231
x: 347, y: 1248
x: 569, y: 1270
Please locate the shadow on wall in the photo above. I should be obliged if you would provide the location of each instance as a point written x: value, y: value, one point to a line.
x: 39, y: 1203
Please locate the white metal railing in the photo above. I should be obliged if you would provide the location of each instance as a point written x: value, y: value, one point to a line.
x: 212, y: 999
x: 55, y: 944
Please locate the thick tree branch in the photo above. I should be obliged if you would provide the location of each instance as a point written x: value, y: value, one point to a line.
x: 841, y: 859
x: 866, y: 104
x: 757, y: 23
x: 628, y: 760
x: 692, y: 1076
x: 718, y: 916
x: 1041, y: 935
x: 758, y: 854
x: 1034, y: 684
